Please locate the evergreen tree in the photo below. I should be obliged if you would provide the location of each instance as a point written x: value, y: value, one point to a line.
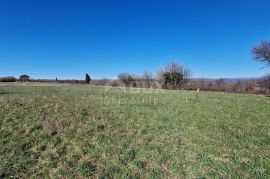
x: 87, y: 79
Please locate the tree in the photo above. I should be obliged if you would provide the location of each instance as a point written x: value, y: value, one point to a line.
x: 174, y: 75
x: 24, y: 78
x: 123, y: 78
x: 131, y: 81
x: 220, y: 84
x: 127, y: 79
x: 261, y: 52
x: 87, y: 79
x: 266, y: 82
x: 147, y: 78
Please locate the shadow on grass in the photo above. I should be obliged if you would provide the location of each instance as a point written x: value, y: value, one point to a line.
x: 7, y: 93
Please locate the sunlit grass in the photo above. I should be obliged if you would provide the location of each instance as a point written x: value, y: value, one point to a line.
x: 82, y: 131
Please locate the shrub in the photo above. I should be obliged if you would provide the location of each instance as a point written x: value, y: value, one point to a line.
x: 131, y: 81
x: 114, y: 83
x: 123, y: 78
x: 127, y: 79
x: 8, y: 79
x: 174, y: 75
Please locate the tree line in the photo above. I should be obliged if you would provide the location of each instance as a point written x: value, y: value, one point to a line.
x: 171, y: 77
x: 176, y: 76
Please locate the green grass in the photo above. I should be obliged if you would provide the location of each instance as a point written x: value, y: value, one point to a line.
x: 81, y: 131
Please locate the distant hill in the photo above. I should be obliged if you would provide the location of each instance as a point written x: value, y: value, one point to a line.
x: 227, y: 79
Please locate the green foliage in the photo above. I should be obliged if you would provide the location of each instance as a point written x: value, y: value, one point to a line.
x: 87, y: 78
x: 127, y: 79
x: 174, y: 75
x: 24, y: 78
x: 77, y: 131
x: 172, y: 79
x: 131, y: 81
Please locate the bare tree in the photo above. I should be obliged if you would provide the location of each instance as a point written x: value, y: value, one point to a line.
x: 262, y: 52
x: 266, y: 82
x: 173, y: 67
x: 147, y: 78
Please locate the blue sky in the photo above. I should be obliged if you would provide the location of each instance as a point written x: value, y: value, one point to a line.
x: 66, y: 39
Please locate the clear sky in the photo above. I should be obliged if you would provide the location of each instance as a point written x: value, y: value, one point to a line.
x: 66, y: 39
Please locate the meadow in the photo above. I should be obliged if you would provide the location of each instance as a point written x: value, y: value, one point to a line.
x: 81, y: 131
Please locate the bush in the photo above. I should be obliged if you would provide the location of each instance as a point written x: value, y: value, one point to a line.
x: 174, y: 75
x: 8, y: 79
x: 131, y: 81
x: 127, y: 79
x: 114, y: 83
x: 123, y: 78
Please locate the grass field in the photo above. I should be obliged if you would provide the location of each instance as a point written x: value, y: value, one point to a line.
x: 78, y: 131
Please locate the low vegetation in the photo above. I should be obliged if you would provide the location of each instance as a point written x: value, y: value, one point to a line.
x: 8, y: 79
x: 79, y: 131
